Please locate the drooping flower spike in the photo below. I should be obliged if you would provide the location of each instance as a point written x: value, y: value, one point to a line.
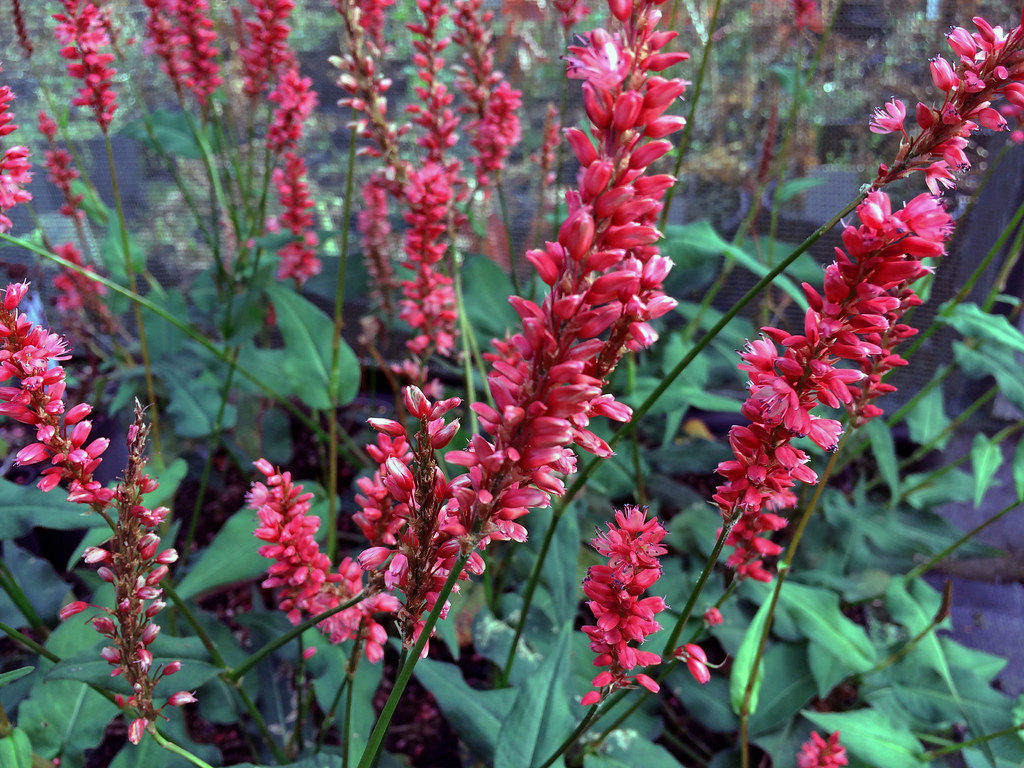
x: 988, y: 66
x: 846, y: 347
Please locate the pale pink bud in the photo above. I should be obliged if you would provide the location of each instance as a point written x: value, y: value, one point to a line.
x: 71, y: 609
x: 167, y: 557
x: 309, y: 652
x: 93, y: 555
x: 265, y: 467
x: 103, y: 625
x: 181, y: 698
x: 387, y: 426
x: 171, y: 668
x: 106, y: 574
x: 943, y: 76
x: 149, y: 633
x: 32, y: 454
x: 111, y: 654
x: 144, y: 658
x: 712, y: 617
x: 136, y: 730
x: 14, y: 294
x: 77, y: 413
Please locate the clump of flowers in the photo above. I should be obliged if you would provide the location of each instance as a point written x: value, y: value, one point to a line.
x: 632, y: 545
x: 84, y: 33
x: 298, y: 257
x: 866, y: 292
x: 818, y: 752
x: 989, y: 66
x: 303, y: 573
x: 15, y: 171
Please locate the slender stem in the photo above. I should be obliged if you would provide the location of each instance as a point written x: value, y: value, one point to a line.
x: 512, y: 253
x: 784, y: 565
x: 20, y: 599
x: 211, y: 449
x: 154, y: 412
x: 175, y: 749
x: 928, y: 756
x: 571, y: 738
x: 258, y: 655
x: 376, y: 740
x: 28, y: 642
x: 709, y: 566
x: 698, y: 84
x: 940, y: 556
x: 335, y: 376
x: 357, y: 456
x: 325, y: 724
x: 261, y: 725
x: 193, y: 622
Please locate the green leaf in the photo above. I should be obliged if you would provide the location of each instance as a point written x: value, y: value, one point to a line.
x: 486, y: 288
x: 476, y: 715
x: 872, y: 737
x: 927, y: 419
x: 976, y: 363
x: 91, y: 669
x: 816, y: 611
x: 627, y: 748
x: 973, y: 322
x: 112, y: 252
x: 23, y: 507
x: 540, y: 717
x: 793, y: 187
x: 707, y: 703
x: 743, y: 665
x: 14, y: 674
x: 786, y: 688
x: 171, y: 132
x: 985, y: 460
x: 194, y: 401
x: 885, y: 454
x: 1018, y: 470
x: 231, y: 557
x: 559, y: 570
x: 307, y: 332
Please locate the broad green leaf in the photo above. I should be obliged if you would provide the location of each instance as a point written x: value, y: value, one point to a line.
x: 307, y: 332
x: 626, y: 748
x: 476, y: 715
x: 885, y: 454
x: 163, y: 337
x: 94, y: 670
x: 540, y: 717
x: 46, y: 591
x: 709, y: 703
x: 976, y: 363
x: 195, y: 401
x: 872, y: 737
x: 1018, y: 470
x: 23, y: 507
x: 951, y: 486
x: 793, y: 187
x: 827, y: 669
x: 816, y: 612
x: 973, y: 322
x: 232, y: 556
x: 149, y: 753
x: 327, y: 670
x: 169, y: 132
x: 14, y: 674
x: 743, y: 665
x: 927, y: 419
x: 317, y: 761
x: 986, y: 457
x: 559, y: 571
x: 486, y: 288
x: 786, y: 688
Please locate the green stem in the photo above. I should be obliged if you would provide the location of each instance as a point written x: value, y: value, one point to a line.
x: 698, y: 84
x: 512, y: 253
x: 784, y: 565
x: 357, y: 456
x: 20, y: 599
x: 571, y: 738
x: 237, y: 673
x: 335, y: 378
x: 261, y: 725
x: 940, y: 556
x: 174, y: 749
x: 211, y: 449
x: 28, y: 642
x: 709, y: 566
x: 928, y: 756
x: 193, y: 621
x: 154, y: 412
x: 376, y: 740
